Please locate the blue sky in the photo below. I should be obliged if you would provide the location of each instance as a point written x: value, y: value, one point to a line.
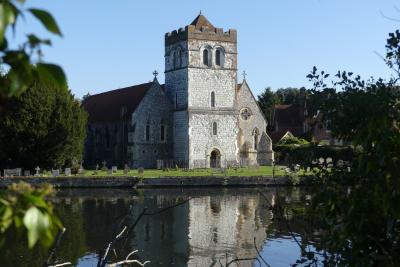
x: 112, y: 44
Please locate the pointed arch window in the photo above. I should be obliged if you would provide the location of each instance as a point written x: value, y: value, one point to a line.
x: 107, y: 138
x: 162, y: 131
x: 256, y: 135
x: 213, y: 99
x: 214, y: 128
x: 147, y: 131
x: 207, y: 57
x: 178, y: 58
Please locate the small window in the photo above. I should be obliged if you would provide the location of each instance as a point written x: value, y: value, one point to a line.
x: 147, y: 131
x: 212, y: 99
x: 214, y: 128
x: 134, y: 128
x: 176, y: 100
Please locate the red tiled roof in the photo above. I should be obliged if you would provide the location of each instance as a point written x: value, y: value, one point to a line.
x: 109, y: 106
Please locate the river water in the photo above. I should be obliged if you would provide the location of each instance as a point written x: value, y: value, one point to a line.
x: 213, y: 227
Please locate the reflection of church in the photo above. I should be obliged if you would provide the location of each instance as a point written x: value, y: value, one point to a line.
x: 200, y: 116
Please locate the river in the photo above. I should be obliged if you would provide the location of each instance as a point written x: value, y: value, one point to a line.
x: 212, y: 226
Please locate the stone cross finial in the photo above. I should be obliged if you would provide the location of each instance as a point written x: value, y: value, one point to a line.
x: 37, y: 169
x: 155, y: 73
x: 244, y: 75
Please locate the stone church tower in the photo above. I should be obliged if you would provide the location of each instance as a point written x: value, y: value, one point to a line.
x: 201, y: 82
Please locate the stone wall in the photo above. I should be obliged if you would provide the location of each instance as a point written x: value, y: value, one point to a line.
x: 261, y: 153
x: 155, y: 109
x: 203, y: 142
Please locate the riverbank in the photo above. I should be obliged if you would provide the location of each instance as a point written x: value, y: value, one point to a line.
x: 135, y: 182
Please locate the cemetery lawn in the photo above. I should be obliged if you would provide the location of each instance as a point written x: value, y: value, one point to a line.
x: 153, y: 173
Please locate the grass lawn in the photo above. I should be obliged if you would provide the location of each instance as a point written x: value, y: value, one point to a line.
x: 152, y: 173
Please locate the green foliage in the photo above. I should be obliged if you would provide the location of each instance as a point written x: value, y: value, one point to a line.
x: 358, y: 207
x: 24, y: 210
x: 307, y: 155
x: 292, y: 141
x: 44, y: 126
x: 24, y: 64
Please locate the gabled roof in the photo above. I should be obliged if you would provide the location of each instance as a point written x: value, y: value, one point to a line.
x: 115, y: 105
x: 278, y: 136
x: 200, y: 21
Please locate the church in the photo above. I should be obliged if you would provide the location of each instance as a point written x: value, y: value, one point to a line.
x: 200, y: 118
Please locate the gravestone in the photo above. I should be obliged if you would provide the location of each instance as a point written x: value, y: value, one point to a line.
x: 12, y: 172
x: 141, y: 172
x: 55, y: 173
x: 126, y: 169
x: 114, y: 169
x: 109, y: 171
x: 104, y: 167
x: 81, y: 169
x: 37, y: 169
x: 96, y: 169
x: 27, y: 173
x: 67, y: 172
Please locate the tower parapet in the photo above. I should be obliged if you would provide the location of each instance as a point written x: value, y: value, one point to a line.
x: 201, y: 29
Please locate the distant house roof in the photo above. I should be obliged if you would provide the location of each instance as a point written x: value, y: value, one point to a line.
x: 200, y: 21
x: 115, y: 105
x: 289, y: 118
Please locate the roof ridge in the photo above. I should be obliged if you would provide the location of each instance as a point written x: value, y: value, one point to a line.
x: 120, y: 89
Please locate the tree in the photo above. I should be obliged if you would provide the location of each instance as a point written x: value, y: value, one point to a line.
x: 357, y: 204
x: 267, y: 101
x: 23, y: 66
x: 43, y: 126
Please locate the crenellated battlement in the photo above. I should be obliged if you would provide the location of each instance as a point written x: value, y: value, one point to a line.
x: 201, y: 29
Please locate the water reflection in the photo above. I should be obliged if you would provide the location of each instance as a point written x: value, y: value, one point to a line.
x: 216, y: 225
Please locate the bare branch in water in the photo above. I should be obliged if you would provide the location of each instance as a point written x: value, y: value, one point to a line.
x: 259, y: 254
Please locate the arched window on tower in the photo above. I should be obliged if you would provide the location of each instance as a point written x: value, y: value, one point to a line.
x: 219, y: 57
x: 256, y: 135
x: 214, y: 128
x: 147, y: 131
x: 212, y: 99
x: 207, y: 57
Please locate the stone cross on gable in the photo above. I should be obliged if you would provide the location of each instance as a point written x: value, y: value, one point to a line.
x: 244, y: 75
x: 155, y: 73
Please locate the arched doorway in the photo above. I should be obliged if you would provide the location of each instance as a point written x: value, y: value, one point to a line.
x: 215, y: 159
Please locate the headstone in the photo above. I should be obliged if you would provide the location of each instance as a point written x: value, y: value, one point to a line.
x: 67, y: 172
x: 12, y: 172
x: 81, y: 169
x: 27, y: 173
x: 104, y: 167
x: 126, y: 169
x: 109, y: 171
x: 55, y: 173
x: 114, y: 169
x: 37, y: 169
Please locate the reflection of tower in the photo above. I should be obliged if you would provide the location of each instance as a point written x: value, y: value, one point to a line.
x: 223, y: 225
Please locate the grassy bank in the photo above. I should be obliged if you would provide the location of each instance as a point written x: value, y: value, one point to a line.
x: 153, y: 173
